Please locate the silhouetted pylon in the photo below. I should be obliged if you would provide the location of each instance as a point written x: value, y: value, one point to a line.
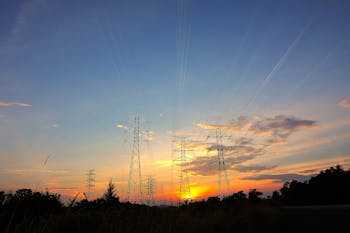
x: 135, y: 164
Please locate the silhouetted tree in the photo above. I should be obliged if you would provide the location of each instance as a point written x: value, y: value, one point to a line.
x: 276, y: 196
x: 284, y: 189
x: 254, y: 195
x: 240, y: 196
x: 110, y: 195
x: 331, y: 186
x: 213, y: 201
x: 2, y: 197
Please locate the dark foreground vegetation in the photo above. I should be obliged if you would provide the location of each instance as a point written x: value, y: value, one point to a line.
x: 319, y: 205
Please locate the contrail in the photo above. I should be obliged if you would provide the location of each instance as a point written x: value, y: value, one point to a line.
x: 183, y: 31
x: 282, y: 60
x: 182, y: 42
x: 317, y: 67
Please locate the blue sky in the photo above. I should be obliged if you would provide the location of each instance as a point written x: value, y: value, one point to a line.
x: 85, y: 67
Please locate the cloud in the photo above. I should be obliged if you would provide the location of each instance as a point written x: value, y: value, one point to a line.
x: 121, y: 126
x: 280, y: 127
x: 17, y: 104
x: 203, y: 165
x: 194, y: 145
x: 208, y: 165
x: 55, y: 125
x: 253, y: 168
x: 234, y: 149
x: 276, y: 129
x: 309, y: 171
x: 234, y: 125
x: 344, y: 103
x: 253, y: 135
x: 210, y: 127
x: 148, y: 135
x: 278, y: 177
x: 242, y: 141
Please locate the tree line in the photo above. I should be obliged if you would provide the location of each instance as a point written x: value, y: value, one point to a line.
x: 27, y: 211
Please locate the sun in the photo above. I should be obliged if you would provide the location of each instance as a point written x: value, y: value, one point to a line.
x: 195, y: 193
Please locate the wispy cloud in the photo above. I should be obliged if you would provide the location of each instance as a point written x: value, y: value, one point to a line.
x: 17, y: 104
x: 148, y: 135
x: 344, y: 103
x: 207, y: 165
x: 209, y: 126
x: 278, y: 177
x: 26, y: 10
x: 55, y: 125
x: 315, y: 165
x: 253, y: 168
x: 32, y: 171
x: 232, y: 150
x: 193, y: 145
x: 299, y: 171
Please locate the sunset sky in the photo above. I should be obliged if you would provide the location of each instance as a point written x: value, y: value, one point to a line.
x: 273, y: 76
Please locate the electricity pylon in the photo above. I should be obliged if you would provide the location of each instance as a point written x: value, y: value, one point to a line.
x: 90, y: 181
x: 150, y: 190
x: 135, y: 164
x: 184, y: 189
x: 221, y: 163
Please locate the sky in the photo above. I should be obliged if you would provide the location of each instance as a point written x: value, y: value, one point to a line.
x: 271, y: 77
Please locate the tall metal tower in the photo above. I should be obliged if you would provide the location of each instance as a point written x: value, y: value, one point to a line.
x: 135, y: 180
x: 184, y: 189
x: 90, y: 181
x: 221, y: 163
x: 150, y: 189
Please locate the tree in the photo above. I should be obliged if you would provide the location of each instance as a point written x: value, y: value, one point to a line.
x: 240, y: 196
x: 276, y: 196
x: 110, y: 194
x: 2, y: 199
x: 254, y: 195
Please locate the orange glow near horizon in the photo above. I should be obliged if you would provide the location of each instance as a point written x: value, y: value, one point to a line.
x: 197, y: 192
x: 166, y: 191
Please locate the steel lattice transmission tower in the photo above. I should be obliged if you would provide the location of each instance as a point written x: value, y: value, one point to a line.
x: 222, y: 174
x: 90, y: 181
x: 184, y: 188
x: 150, y: 189
x: 135, y: 164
